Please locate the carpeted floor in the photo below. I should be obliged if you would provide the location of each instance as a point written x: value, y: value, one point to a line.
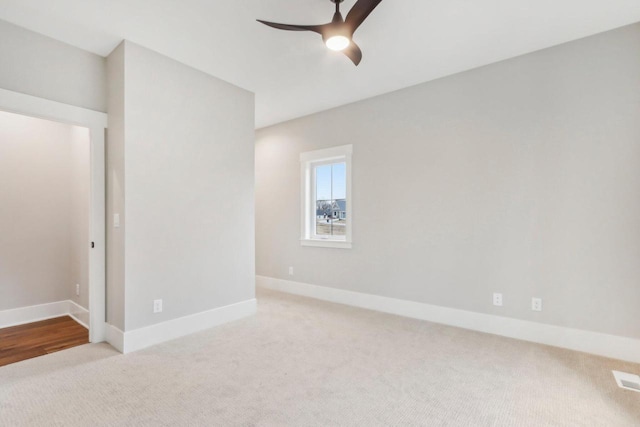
x: 302, y: 362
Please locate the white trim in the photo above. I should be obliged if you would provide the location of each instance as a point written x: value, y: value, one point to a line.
x: 336, y: 152
x: 97, y: 231
x: 80, y: 322
x: 36, y: 313
x: 138, y: 339
x: 612, y: 346
x: 630, y: 379
x: 115, y: 337
x: 79, y: 313
x: 308, y: 161
x: 96, y: 122
x: 33, y: 106
x: 328, y: 243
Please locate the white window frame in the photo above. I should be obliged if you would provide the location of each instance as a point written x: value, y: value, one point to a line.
x: 308, y: 161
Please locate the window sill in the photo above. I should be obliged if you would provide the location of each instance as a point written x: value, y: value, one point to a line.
x: 338, y: 244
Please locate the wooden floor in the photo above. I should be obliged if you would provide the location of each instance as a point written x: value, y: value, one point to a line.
x: 37, y: 339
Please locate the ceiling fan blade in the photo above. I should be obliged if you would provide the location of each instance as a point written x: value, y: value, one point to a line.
x: 359, y: 13
x: 288, y: 27
x: 353, y: 52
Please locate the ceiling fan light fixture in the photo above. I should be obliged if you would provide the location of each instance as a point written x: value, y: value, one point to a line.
x: 337, y: 34
x: 338, y: 43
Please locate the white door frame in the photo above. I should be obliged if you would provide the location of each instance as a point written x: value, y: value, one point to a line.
x: 28, y: 105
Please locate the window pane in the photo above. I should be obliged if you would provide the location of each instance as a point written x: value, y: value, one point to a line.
x: 338, y: 196
x: 323, y: 200
x: 331, y: 204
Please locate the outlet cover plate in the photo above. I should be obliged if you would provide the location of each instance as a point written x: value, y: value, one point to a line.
x: 536, y: 304
x: 497, y: 299
x: 157, y: 306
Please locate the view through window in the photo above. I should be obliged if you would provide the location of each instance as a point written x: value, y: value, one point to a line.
x: 331, y: 203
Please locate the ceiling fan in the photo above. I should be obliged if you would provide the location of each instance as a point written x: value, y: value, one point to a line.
x: 338, y: 34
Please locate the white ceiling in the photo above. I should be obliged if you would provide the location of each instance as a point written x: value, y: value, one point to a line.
x: 405, y: 42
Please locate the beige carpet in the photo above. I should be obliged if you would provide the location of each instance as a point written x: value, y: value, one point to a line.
x: 302, y: 362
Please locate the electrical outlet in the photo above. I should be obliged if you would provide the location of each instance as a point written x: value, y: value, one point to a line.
x: 497, y: 299
x: 536, y: 304
x: 77, y: 289
x: 157, y: 306
x: 290, y: 271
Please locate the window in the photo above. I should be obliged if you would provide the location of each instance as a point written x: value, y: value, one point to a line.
x: 326, y: 197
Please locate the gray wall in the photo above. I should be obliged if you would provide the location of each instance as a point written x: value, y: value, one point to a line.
x: 47, y: 68
x: 188, y: 143
x: 80, y: 211
x: 115, y: 189
x: 44, y: 219
x: 520, y: 177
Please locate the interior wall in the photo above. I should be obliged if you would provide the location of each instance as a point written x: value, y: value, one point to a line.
x: 115, y: 189
x: 188, y: 156
x: 42, y: 232
x: 520, y: 177
x: 50, y: 69
x: 80, y: 212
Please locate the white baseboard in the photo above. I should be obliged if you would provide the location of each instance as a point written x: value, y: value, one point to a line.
x: 36, y: 313
x: 612, y: 346
x: 79, y: 313
x: 137, y: 339
x: 115, y: 337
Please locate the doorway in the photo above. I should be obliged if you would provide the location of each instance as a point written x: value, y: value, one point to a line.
x: 83, y: 224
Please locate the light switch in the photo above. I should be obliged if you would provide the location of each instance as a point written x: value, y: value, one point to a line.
x: 116, y: 220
